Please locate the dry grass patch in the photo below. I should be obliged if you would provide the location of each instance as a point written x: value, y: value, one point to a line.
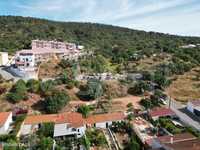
x: 115, y: 89
x: 49, y: 69
x: 149, y: 63
x: 122, y: 139
x: 186, y: 87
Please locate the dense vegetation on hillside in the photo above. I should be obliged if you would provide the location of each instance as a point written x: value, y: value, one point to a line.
x: 116, y: 49
x: 17, y: 33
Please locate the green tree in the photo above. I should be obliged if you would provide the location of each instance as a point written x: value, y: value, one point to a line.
x: 139, y: 88
x: 13, y: 145
x: 146, y: 103
x: 46, y: 130
x: 92, y: 90
x: 96, y: 137
x: 46, y: 143
x: 130, y: 107
x: 33, y: 85
x: 46, y: 88
x: 84, y: 110
x: 160, y: 79
x: 133, y: 144
x: 56, y: 101
x: 18, y: 92
x: 86, y: 142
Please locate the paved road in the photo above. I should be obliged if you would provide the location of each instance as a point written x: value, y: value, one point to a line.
x: 185, y: 117
x: 6, y: 75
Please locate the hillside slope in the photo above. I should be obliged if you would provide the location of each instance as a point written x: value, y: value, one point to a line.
x: 17, y: 32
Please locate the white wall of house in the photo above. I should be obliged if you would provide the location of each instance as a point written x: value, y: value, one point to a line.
x: 66, y: 129
x: 190, y: 107
x: 103, y: 124
x: 5, y: 127
x: 155, y: 118
x: 3, y: 58
x: 30, y: 59
x: 25, y: 129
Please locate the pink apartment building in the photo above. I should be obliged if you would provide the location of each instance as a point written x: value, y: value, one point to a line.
x: 26, y: 61
x: 45, y: 50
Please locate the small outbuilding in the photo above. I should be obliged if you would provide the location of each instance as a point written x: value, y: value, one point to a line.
x: 156, y: 113
x: 194, y: 107
x: 5, y: 121
x: 3, y: 58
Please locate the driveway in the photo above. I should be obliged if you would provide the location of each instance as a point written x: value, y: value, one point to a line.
x: 184, y: 115
x: 6, y: 75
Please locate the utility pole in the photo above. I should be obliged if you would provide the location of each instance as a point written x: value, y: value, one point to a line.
x: 170, y: 101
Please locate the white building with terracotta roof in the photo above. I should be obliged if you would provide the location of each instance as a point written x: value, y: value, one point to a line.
x: 5, y: 121
x: 69, y: 123
x: 104, y: 120
x: 156, y: 113
x: 33, y: 122
x: 194, y: 107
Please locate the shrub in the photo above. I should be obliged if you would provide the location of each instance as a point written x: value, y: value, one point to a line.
x: 18, y: 92
x: 84, y: 110
x: 46, y: 88
x: 56, y: 102
x: 46, y: 130
x: 33, y: 85
x: 96, y: 137
x: 93, y: 90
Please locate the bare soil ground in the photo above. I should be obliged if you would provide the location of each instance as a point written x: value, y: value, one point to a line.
x: 122, y: 102
x: 49, y: 69
x: 115, y: 89
x: 151, y: 62
x: 5, y: 105
x: 118, y: 104
x: 186, y: 87
x: 122, y: 139
x: 29, y: 104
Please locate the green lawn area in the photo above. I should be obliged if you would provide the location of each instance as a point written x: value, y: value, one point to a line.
x: 169, y: 126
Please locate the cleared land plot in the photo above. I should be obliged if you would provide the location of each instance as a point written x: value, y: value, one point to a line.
x: 49, y: 69
x: 149, y: 63
x: 118, y: 104
x: 186, y: 87
x: 126, y: 100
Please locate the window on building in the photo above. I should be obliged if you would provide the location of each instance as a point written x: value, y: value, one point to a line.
x: 106, y: 124
x: 73, y: 129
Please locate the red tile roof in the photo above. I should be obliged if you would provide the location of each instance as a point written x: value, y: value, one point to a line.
x: 176, y: 138
x: 189, y: 145
x: 184, y: 141
x: 195, y: 102
x: 105, y: 117
x: 161, y: 112
x: 35, y: 119
x: 73, y: 118
x: 3, y: 117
